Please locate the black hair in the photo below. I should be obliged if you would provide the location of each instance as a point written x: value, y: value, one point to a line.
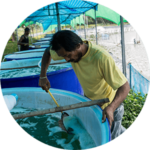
x: 66, y: 39
x: 27, y: 29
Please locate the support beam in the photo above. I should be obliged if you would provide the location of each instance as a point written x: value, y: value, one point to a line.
x: 96, y: 26
x: 41, y: 31
x: 36, y: 30
x: 17, y: 39
x: 87, y: 25
x: 75, y: 24
x: 68, y: 8
x: 123, y: 46
x: 58, y: 17
x: 30, y: 33
x: 80, y: 25
x: 33, y: 31
x: 84, y: 27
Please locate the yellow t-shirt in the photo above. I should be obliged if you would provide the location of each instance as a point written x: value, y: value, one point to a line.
x: 97, y: 73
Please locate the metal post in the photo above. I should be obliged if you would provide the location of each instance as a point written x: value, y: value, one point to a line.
x: 33, y: 32
x: 40, y: 31
x: 87, y: 25
x: 84, y: 26
x: 17, y: 39
x: 130, y: 75
x: 123, y: 46
x: 30, y: 33
x: 36, y: 30
x: 75, y: 25
x: 96, y: 26
x: 80, y: 25
x: 58, y: 18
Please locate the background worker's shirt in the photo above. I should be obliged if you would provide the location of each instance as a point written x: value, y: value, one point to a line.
x: 25, y: 40
x: 97, y: 73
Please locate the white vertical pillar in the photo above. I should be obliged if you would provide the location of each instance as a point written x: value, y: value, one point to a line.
x: 30, y: 33
x: 96, y: 26
x: 80, y: 25
x: 123, y: 46
x: 84, y: 26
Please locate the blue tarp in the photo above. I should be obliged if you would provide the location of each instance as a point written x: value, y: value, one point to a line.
x: 137, y: 82
x: 68, y: 10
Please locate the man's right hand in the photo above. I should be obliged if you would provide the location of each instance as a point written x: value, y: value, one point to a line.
x: 27, y: 44
x: 44, y: 84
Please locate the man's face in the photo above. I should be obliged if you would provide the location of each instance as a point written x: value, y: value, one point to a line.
x: 27, y: 33
x: 73, y: 56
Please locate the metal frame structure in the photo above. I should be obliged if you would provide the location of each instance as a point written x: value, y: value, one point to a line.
x: 17, y: 39
x: 123, y: 46
x: 84, y: 25
x: 58, y: 18
x: 96, y: 25
x: 70, y: 17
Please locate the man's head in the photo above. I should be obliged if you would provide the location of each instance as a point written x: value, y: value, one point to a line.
x: 68, y: 45
x: 27, y: 31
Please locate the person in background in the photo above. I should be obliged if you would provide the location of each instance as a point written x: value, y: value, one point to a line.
x: 24, y: 40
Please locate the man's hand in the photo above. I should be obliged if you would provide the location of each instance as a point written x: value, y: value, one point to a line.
x: 109, y: 113
x: 44, y: 84
x: 26, y: 44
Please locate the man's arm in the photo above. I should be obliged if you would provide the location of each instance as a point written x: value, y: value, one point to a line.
x: 45, y: 62
x: 120, y: 96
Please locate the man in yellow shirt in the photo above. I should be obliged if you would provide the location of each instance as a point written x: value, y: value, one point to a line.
x: 96, y: 72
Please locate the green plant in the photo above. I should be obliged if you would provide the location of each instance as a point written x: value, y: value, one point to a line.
x: 133, y: 105
x: 92, y: 36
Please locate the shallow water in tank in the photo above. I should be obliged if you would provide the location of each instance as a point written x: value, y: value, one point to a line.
x: 45, y: 128
x: 30, y: 71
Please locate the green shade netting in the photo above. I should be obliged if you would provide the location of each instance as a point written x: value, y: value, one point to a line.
x: 26, y: 23
x: 105, y: 13
x: 39, y: 24
x: 22, y: 23
x: 77, y: 20
x: 52, y: 27
x: 29, y: 23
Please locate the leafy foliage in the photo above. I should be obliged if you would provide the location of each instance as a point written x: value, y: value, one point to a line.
x: 133, y: 105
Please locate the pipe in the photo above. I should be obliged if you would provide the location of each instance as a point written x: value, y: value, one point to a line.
x: 130, y: 75
x: 17, y: 39
x: 84, y: 26
x: 80, y: 25
x: 87, y: 25
x: 61, y: 108
x: 36, y: 30
x: 41, y: 31
x: 30, y: 33
x: 96, y: 26
x: 123, y: 46
x: 58, y: 18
